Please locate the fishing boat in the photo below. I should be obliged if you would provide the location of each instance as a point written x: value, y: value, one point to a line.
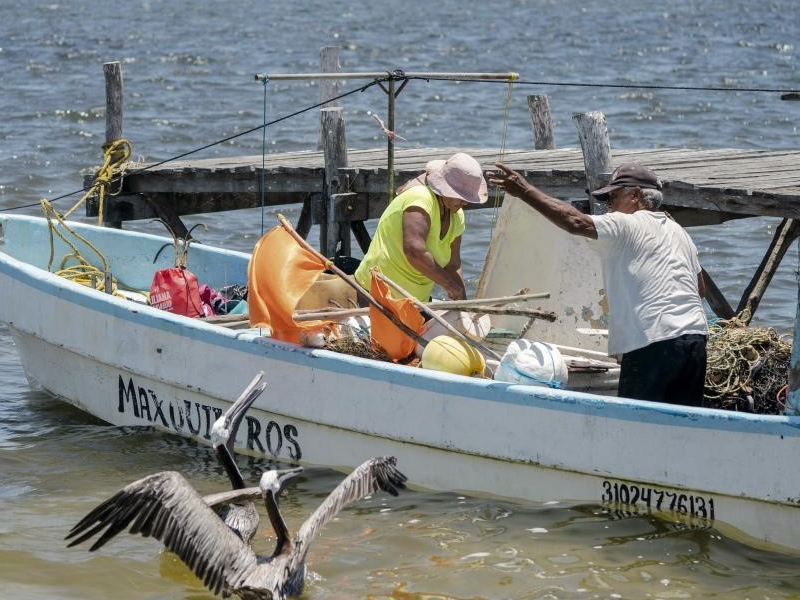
x: 131, y: 364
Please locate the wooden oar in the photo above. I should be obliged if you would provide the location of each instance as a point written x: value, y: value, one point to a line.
x: 435, y: 316
x: 354, y: 284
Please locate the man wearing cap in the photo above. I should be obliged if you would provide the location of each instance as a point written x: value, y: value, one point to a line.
x: 418, y: 239
x: 652, y: 277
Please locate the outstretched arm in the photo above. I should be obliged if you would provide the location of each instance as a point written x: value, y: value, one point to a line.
x: 560, y: 213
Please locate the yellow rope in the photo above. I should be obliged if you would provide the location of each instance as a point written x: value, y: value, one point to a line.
x: 84, y: 272
x: 115, y: 155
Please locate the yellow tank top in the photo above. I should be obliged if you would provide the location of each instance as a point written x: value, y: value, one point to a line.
x: 386, y: 250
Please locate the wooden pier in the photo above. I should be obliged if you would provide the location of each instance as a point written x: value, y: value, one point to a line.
x: 701, y: 186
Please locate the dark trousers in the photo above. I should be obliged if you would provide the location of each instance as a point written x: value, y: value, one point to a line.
x: 671, y: 371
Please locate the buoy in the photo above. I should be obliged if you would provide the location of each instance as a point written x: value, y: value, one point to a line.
x: 451, y: 355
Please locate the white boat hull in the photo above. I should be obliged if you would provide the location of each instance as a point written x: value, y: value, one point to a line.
x: 130, y: 364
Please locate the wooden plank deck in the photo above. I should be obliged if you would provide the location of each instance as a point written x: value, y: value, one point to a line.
x: 701, y: 186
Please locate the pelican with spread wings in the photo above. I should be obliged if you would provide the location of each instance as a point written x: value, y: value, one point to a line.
x: 166, y: 507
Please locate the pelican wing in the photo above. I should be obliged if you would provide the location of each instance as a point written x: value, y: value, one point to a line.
x: 372, y: 475
x: 233, y: 496
x: 166, y: 507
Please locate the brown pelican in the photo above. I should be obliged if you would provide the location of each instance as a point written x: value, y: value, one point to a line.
x: 166, y: 507
x: 241, y: 515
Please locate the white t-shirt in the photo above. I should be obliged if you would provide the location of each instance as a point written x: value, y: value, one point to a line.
x: 650, y: 270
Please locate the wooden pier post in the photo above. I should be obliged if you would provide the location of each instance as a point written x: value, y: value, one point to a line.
x: 328, y: 88
x: 542, y: 122
x: 332, y: 234
x: 113, y: 77
x: 786, y: 233
x: 593, y: 134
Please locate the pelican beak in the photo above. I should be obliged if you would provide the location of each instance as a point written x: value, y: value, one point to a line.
x: 246, y: 399
x: 284, y: 475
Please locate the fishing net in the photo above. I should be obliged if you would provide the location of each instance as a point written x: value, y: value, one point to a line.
x: 357, y: 342
x: 748, y: 368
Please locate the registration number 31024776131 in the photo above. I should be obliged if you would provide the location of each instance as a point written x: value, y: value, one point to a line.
x: 694, y: 505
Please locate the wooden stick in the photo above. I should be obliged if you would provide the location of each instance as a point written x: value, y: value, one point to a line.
x: 473, y: 306
x: 457, y: 304
x: 435, y: 316
x: 354, y: 284
x: 519, y: 312
x: 314, y: 315
x: 716, y: 300
x: 785, y: 234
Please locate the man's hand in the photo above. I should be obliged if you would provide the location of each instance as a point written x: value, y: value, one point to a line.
x: 509, y: 180
x: 560, y: 213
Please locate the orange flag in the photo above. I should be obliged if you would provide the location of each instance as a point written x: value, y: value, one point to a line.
x: 280, y: 272
x: 396, y: 343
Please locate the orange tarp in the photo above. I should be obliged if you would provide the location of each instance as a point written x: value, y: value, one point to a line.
x: 396, y: 343
x: 279, y: 274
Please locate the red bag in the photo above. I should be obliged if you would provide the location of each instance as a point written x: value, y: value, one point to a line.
x: 175, y: 290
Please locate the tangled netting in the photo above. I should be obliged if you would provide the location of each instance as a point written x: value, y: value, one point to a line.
x: 357, y: 342
x: 748, y: 368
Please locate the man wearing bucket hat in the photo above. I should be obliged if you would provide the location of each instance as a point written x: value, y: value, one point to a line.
x: 652, y: 277
x: 418, y: 239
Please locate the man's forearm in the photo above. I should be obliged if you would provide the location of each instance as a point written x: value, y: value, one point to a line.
x: 558, y: 212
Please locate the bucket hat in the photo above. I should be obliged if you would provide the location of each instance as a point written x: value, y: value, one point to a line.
x: 629, y: 176
x: 460, y: 176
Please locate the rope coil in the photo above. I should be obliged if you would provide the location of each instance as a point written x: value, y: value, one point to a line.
x: 84, y: 272
x: 747, y: 368
x: 115, y: 159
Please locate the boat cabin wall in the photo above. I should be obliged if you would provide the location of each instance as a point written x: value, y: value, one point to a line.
x: 130, y: 254
x: 527, y: 250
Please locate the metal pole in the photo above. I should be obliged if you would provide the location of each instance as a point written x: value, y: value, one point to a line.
x: 382, y: 74
x: 793, y: 397
x: 390, y: 77
x: 390, y: 143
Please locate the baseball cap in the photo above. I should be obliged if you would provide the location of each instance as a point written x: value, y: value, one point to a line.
x: 629, y: 176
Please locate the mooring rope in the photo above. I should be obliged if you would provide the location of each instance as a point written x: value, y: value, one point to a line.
x: 115, y: 158
x: 84, y: 272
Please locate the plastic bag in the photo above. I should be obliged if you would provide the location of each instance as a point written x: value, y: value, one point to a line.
x: 533, y: 363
